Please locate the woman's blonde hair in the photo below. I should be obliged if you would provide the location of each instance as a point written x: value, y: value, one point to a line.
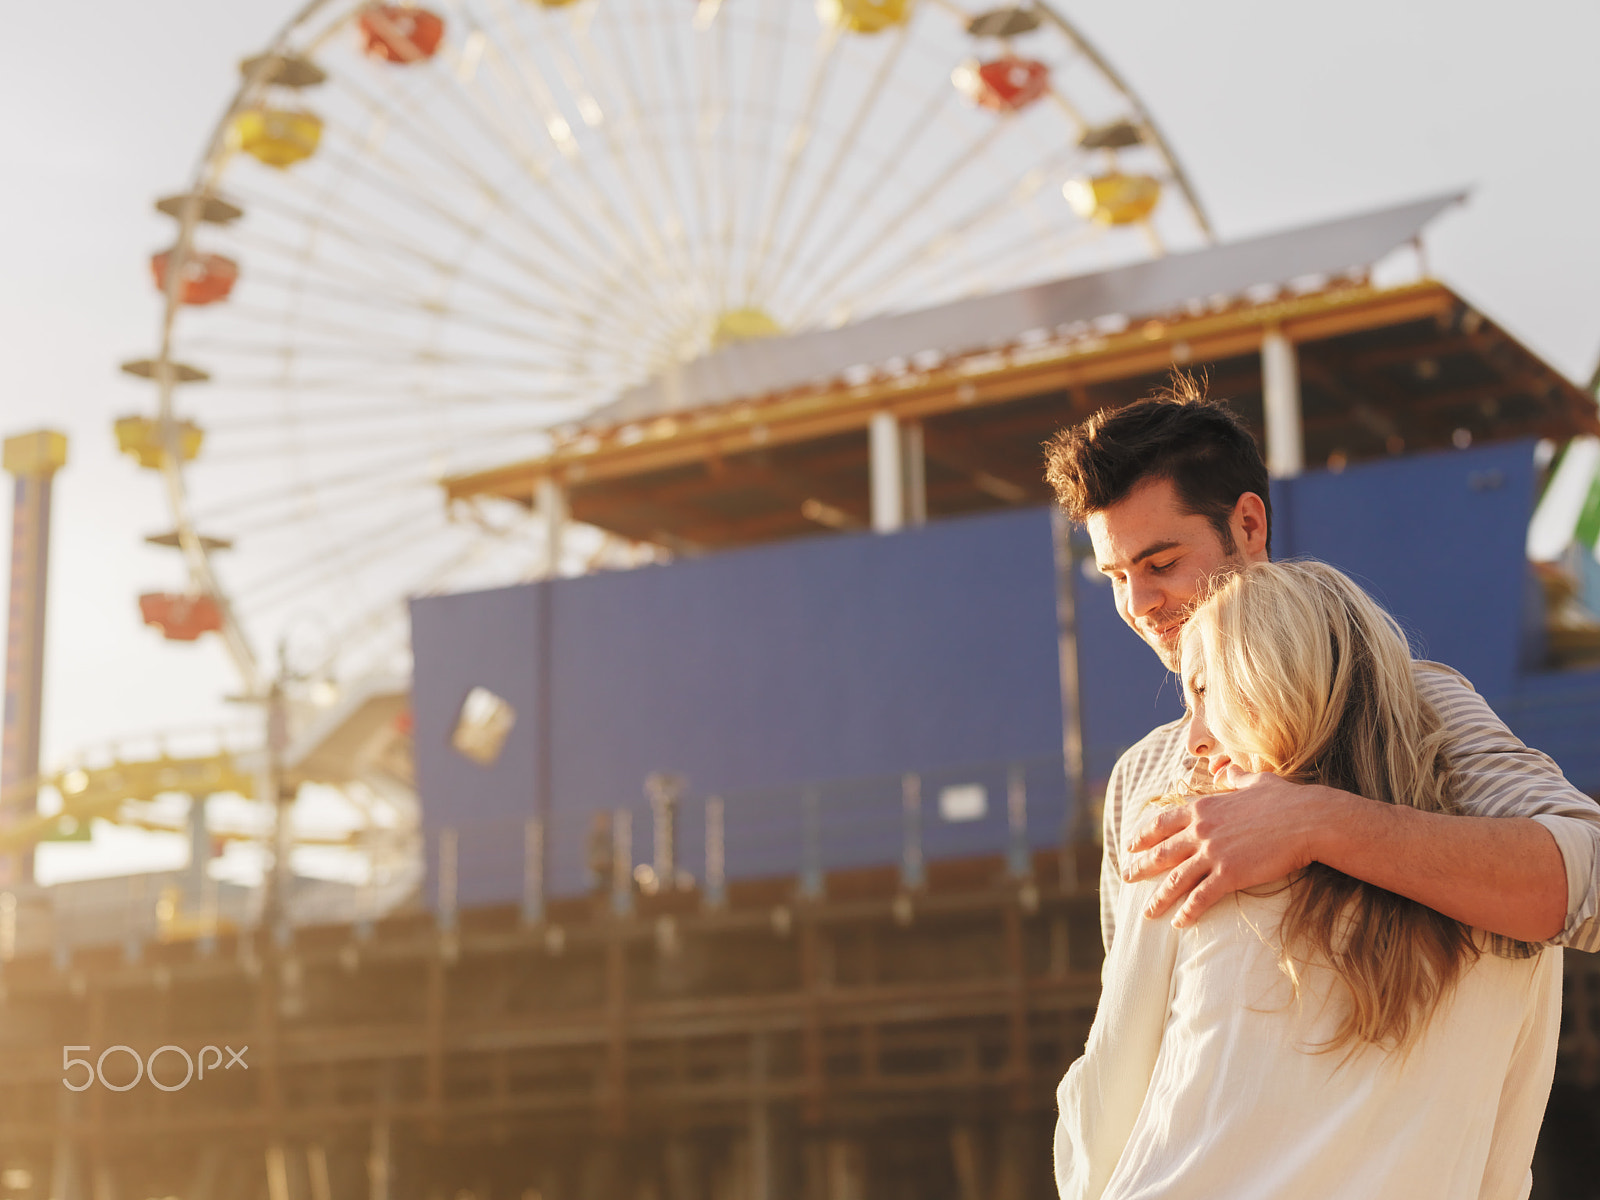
x: 1307, y: 677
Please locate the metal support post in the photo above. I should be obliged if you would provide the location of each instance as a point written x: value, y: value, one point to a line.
x: 914, y: 473
x: 277, y: 1170
x: 664, y: 791
x: 449, y: 858
x: 533, y: 871
x: 136, y: 918
x: 1280, y: 389
x: 887, y: 473
x: 760, y: 1122
x: 1065, y: 540
x: 716, y: 893
x: 622, y: 862
x: 199, y: 853
x: 551, y: 501
x: 317, y: 1172
x: 811, y: 876
x: 913, y: 874
x: 33, y: 458
x: 1019, y: 862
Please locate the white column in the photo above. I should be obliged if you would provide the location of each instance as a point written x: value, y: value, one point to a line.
x: 887, y: 470
x: 551, y: 500
x: 914, y: 472
x: 1280, y: 388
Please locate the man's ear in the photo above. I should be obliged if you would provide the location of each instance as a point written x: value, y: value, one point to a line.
x: 1249, y: 525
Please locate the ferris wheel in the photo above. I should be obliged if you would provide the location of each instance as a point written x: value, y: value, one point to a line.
x: 423, y: 238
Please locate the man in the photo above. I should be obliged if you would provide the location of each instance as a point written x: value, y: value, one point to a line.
x: 1173, y: 490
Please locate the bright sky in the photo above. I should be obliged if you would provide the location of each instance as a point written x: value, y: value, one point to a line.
x: 1283, y: 114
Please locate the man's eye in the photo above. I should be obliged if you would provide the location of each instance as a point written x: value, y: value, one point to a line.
x: 1162, y: 568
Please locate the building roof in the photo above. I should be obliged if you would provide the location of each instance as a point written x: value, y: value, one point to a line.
x: 1383, y: 371
x: 1157, y: 287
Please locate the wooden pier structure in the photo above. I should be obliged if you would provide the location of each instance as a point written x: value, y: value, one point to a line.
x: 878, y: 1042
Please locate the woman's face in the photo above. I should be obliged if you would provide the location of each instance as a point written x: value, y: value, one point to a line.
x: 1203, y: 742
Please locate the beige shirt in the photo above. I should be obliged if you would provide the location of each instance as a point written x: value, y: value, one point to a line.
x: 1200, y: 1081
x: 1495, y: 775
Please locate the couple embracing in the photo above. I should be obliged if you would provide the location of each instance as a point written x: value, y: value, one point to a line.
x: 1334, y: 893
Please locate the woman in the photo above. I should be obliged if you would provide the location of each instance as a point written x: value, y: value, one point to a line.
x: 1321, y: 1038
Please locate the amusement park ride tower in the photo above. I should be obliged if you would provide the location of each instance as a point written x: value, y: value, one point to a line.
x: 33, y: 458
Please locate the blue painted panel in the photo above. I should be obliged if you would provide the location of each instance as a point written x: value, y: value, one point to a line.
x: 824, y: 659
x: 1438, y: 538
x: 1559, y: 712
x: 477, y: 639
x: 753, y: 673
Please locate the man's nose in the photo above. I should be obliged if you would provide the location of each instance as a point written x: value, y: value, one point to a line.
x: 1143, y: 598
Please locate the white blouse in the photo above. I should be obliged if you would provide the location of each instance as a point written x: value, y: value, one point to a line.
x: 1199, y: 1079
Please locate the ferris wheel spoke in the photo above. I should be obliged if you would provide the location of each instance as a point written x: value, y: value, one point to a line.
x: 337, y: 563
x: 843, y: 233
x: 399, y: 187
x: 753, y: 192
x: 599, y: 120
x: 364, y: 474
x: 292, y: 527
x: 346, y: 385
x: 387, y: 249
x: 423, y: 439
x: 795, y: 146
x: 297, y: 526
x: 380, y: 413
x: 378, y: 351
x: 922, y: 255
x: 525, y: 73
x: 671, y: 222
x: 874, y: 242
x: 825, y: 182
x: 690, y: 222
x: 1006, y: 263
x: 338, y: 305
x: 324, y: 330
x: 347, y: 285
x: 522, y: 74
x: 425, y: 133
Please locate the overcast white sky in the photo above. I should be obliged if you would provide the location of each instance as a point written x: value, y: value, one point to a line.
x: 1283, y: 114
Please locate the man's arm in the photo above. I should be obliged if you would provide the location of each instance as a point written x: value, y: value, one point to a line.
x: 1524, y: 863
x: 1503, y: 875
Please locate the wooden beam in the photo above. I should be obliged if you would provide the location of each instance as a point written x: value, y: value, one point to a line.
x: 975, y: 381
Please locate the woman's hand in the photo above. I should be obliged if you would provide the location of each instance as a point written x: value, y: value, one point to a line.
x: 1260, y: 831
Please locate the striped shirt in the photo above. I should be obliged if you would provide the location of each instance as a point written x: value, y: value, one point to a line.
x: 1493, y: 775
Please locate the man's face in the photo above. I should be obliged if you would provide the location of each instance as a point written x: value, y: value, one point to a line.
x: 1158, y: 558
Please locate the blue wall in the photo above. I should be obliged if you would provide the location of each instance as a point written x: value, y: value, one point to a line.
x: 845, y: 661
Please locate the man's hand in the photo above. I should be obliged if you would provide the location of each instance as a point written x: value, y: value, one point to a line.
x: 1500, y: 874
x: 1261, y: 831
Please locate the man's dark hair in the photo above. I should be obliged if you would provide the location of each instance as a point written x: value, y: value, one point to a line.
x: 1177, y: 434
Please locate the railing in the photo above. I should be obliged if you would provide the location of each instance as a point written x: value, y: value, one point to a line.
x: 669, y: 839
x: 677, y: 840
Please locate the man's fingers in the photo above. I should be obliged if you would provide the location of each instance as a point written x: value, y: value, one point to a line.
x: 1170, y: 853
x: 1210, y: 890
x: 1159, y: 827
x: 1173, y: 888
